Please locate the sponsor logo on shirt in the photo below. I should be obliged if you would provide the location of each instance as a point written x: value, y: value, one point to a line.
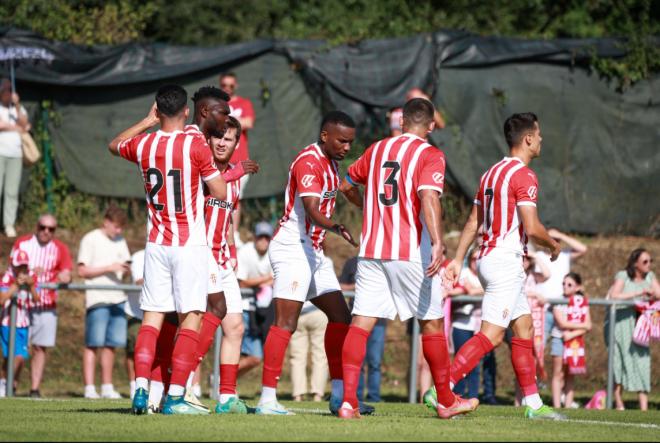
x: 307, y: 180
x: 222, y: 204
x: 330, y: 194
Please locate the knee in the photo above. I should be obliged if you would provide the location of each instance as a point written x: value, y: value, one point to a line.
x: 288, y: 324
x: 217, y: 307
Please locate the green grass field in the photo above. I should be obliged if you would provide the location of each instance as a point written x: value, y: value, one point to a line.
x: 23, y: 419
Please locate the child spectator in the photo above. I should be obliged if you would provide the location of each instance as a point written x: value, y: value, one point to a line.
x: 18, y: 281
x: 572, y: 322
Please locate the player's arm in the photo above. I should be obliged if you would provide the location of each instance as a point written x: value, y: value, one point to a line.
x: 244, y: 167
x: 217, y: 187
x: 438, y: 119
x: 432, y: 210
x: 148, y: 122
x: 536, y: 231
x: 231, y: 244
x: 351, y: 192
x: 311, y: 204
x: 468, y: 234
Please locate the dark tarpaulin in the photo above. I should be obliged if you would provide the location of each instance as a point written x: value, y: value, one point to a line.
x: 599, y: 155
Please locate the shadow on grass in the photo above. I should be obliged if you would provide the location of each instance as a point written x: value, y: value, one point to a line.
x: 121, y: 411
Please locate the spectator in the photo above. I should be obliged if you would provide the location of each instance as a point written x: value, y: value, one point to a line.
x: 13, y: 121
x: 50, y: 261
x: 254, y: 272
x: 395, y: 116
x: 465, y: 322
x: 551, y: 289
x: 375, y: 342
x: 133, y: 316
x: 18, y: 281
x: 632, y: 363
x: 309, y: 338
x: 103, y: 258
x: 242, y: 109
x: 572, y: 322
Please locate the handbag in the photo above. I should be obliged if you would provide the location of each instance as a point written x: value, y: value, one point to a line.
x: 31, y: 153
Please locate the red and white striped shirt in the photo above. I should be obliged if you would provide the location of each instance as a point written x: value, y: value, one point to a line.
x: 173, y: 166
x: 393, y: 171
x: 218, y: 217
x: 23, y: 302
x: 310, y: 174
x: 46, y: 262
x: 505, y: 186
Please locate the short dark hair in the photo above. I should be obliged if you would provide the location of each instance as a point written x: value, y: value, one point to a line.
x: 171, y: 99
x: 337, y: 118
x: 232, y: 122
x: 418, y: 111
x: 577, y: 278
x: 116, y: 215
x: 517, y: 126
x: 632, y: 259
x: 210, y: 92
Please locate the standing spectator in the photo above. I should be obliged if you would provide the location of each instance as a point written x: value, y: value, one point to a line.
x: 242, y: 109
x: 375, y: 342
x: 13, y: 121
x: 254, y: 272
x: 395, y: 115
x: 18, y: 281
x: 134, y: 316
x: 552, y: 289
x: 309, y: 338
x: 103, y: 258
x: 572, y: 322
x: 50, y: 261
x: 465, y: 322
x: 632, y: 363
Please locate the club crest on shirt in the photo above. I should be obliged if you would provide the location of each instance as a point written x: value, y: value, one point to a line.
x: 294, y: 286
x: 307, y: 180
x: 213, y: 278
x: 531, y: 191
x: 438, y: 177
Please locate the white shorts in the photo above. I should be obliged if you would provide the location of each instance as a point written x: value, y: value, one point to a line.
x: 301, y: 273
x: 175, y: 278
x: 502, y: 276
x: 232, y: 291
x: 214, y: 281
x: 385, y: 288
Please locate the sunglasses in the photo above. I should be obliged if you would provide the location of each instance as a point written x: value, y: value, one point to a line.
x: 47, y: 228
x: 227, y: 85
x: 647, y: 261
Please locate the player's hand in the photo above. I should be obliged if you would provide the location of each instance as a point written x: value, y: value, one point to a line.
x: 554, y: 253
x: 451, y: 274
x: 341, y: 230
x: 436, y: 260
x: 152, y: 117
x: 234, y: 263
x: 250, y: 166
x: 119, y: 267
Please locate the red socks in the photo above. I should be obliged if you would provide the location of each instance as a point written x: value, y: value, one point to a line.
x: 274, y: 350
x: 160, y: 370
x: 335, y: 334
x: 145, y: 350
x: 210, y: 324
x: 228, y: 375
x: 183, y: 356
x: 522, y: 358
x: 469, y: 356
x: 353, y: 352
x: 437, y: 356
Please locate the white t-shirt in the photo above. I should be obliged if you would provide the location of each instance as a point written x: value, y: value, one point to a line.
x: 552, y: 288
x: 252, y: 265
x: 467, y: 316
x: 97, y: 249
x: 10, y: 141
x: 132, y: 308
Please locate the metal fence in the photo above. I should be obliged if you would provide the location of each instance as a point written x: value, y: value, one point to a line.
x: 414, y: 348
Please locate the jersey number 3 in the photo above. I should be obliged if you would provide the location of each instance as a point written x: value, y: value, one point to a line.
x: 156, y: 187
x: 391, y: 181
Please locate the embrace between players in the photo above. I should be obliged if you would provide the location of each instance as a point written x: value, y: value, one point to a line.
x: 191, y: 190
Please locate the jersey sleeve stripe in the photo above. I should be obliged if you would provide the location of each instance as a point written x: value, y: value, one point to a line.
x: 526, y: 204
x: 434, y: 188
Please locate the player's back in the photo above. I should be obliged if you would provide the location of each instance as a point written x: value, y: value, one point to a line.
x: 393, y: 171
x: 173, y: 166
x: 503, y: 187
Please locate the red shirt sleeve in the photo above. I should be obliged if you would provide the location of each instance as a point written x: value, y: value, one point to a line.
x: 358, y: 172
x: 248, y: 110
x: 308, y: 176
x: 128, y: 148
x: 202, y: 159
x: 64, y: 263
x: 431, y: 170
x: 525, y: 187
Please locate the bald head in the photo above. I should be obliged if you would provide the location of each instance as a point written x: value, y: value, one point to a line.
x: 48, y: 219
x: 46, y: 228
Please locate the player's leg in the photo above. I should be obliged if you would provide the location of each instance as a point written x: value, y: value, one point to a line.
x: 160, y: 369
x: 216, y: 309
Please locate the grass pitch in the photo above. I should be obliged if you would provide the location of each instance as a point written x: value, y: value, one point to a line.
x: 110, y: 420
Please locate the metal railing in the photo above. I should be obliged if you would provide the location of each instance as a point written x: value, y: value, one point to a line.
x: 414, y: 348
